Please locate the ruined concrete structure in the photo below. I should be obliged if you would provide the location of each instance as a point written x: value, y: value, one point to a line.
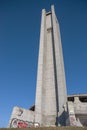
x: 77, y: 108
x: 21, y: 118
x: 52, y: 106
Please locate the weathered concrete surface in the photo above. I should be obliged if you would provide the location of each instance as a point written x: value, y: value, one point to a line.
x: 72, y: 118
x: 21, y: 118
x: 77, y: 113
x: 51, y: 97
x: 78, y: 110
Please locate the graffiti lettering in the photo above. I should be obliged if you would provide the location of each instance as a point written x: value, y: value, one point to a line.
x: 17, y: 123
x: 72, y: 121
x: 22, y: 124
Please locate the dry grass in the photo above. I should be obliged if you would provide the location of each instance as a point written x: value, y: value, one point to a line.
x: 47, y: 128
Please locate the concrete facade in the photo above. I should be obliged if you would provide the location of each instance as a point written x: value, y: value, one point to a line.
x: 52, y: 106
x: 51, y: 94
x: 77, y: 108
x: 21, y: 118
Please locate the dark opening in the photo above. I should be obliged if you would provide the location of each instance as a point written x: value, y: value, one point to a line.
x: 71, y: 99
x: 32, y: 108
x: 83, y: 99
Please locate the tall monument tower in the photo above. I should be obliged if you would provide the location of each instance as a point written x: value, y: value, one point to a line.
x: 51, y: 103
x: 51, y: 97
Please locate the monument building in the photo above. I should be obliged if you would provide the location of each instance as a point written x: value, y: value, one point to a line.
x: 52, y: 105
x: 51, y: 97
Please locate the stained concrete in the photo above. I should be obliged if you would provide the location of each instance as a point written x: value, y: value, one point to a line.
x: 51, y: 94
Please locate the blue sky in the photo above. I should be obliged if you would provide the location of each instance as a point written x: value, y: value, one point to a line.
x: 19, y: 44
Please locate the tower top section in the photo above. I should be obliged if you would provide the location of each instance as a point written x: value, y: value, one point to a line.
x: 49, y: 12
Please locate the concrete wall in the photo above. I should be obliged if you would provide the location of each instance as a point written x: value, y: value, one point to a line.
x: 80, y: 107
x: 22, y: 118
x: 78, y: 111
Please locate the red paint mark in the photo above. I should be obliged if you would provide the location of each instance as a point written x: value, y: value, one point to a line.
x: 17, y: 123
x: 22, y: 124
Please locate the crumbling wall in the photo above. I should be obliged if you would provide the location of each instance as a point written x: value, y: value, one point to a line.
x: 72, y: 117
x: 22, y: 118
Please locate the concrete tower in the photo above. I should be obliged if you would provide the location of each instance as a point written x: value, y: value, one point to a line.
x: 51, y: 97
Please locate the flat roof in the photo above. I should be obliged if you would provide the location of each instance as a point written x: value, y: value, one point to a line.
x: 77, y: 95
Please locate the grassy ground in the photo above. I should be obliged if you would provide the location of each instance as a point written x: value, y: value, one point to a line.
x: 47, y: 128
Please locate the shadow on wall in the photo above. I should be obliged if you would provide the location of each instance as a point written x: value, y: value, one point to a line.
x: 61, y: 120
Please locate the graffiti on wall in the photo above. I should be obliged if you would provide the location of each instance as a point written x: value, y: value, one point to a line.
x: 17, y: 123
x: 72, y: 121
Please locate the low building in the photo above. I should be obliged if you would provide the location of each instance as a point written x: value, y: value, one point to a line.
x: 77, y: 108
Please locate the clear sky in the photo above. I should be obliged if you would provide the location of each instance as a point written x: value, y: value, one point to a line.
x: 19, y: 44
